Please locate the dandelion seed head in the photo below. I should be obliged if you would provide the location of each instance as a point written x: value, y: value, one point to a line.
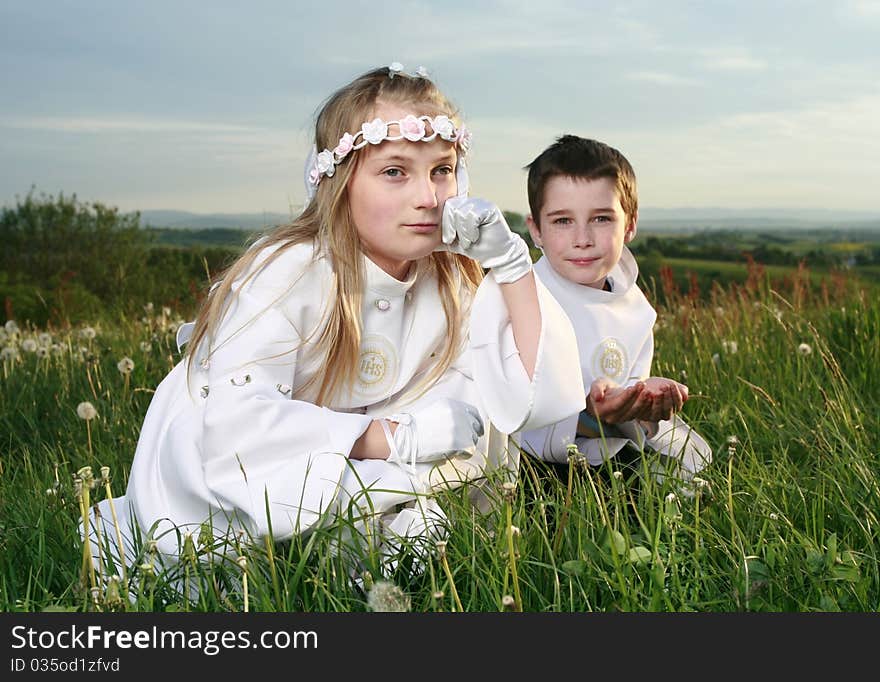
x: 44, y: 339
x: 146, y: 347
x: 515, y: 531
x: 508, y: 602
x: 29, y: 346
x: 57, y: 349
x: 508, y: 490
x: 85, y: 410
x: 804, y: 349
x: 87, y: 333
x: 719, y: 311
x: 125, y: 366
x: 166, y: 311
x: 716, y: 359
x: 732, y: 440
x: 387, y: 597
x: 11, y: 327
x: 42, y: 352
x: 617, y: 474
x: 50, y: 491
x: 148, y: 308
x: 8, y: 353
x: 438, y: 594
x: 774, y: 516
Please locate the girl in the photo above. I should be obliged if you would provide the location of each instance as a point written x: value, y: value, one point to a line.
x: 357, y: 359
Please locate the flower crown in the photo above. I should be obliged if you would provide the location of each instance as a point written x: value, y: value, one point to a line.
x: 412, y: 128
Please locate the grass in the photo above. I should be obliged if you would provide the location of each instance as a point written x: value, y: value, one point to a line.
x: 784, y: 519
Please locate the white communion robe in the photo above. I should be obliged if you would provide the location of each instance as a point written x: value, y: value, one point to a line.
x: 242, y: 442
x: 615, y: 340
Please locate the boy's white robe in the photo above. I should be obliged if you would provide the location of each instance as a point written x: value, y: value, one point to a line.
x: 615, y: 339
x: 241, y: 441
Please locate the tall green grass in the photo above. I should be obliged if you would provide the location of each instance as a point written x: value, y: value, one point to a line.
x: 784, y: 385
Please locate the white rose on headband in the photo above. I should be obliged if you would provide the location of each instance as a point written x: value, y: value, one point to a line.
x: 444, y: 128
x: 464, y: 139
x: 326, y: 164
x: 375, y: 131
x: 412, y: 128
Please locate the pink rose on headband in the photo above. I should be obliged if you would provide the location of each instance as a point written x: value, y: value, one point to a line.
x: 325, y: 163
x: 346, y: 142
x: 444, y: 128
x: 314, y: 176
x: 412, y: 128
x: 375, y: 131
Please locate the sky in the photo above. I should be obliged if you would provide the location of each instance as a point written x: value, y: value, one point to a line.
x: 208, y: 106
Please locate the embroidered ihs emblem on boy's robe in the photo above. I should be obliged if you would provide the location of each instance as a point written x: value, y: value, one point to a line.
x: 610, y: 360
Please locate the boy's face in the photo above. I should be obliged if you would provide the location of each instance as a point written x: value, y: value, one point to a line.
x: 582, y: 228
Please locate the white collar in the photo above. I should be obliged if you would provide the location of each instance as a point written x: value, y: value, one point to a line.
x: 380, y: 282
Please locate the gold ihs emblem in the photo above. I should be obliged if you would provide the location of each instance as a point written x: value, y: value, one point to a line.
x: 610, y: 360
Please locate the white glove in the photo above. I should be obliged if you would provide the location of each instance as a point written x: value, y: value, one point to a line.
x: 476, y: 228
x: 434, y: 432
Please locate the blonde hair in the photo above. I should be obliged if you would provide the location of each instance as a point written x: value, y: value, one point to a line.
x: 327, y: 224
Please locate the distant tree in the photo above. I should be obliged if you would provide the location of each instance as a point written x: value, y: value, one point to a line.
x: 72, y: 251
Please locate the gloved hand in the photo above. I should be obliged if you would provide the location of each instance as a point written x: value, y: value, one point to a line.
x: 476, y: 228
x: 435, y: 431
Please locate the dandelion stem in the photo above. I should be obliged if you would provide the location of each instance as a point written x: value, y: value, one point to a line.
x: 512, y: 554
x: 121, y: 547
x: 88, y: 564
x: 449, y: 577
x: 557, y: 541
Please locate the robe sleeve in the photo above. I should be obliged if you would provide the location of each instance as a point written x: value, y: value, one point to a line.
x: 264, y: 457
x: 511, y: 399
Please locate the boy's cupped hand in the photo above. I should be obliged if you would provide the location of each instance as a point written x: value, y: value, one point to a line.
x: 654, y: 399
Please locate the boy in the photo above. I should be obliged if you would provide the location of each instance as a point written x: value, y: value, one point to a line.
x: 584, y: 209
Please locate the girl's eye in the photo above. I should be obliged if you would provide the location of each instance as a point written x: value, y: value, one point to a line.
x: 392, y: 172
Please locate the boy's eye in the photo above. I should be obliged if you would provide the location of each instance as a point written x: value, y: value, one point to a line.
x: 562, y: 221
x: 603, y: 218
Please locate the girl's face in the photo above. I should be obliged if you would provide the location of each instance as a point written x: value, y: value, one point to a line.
x: 396, y: 196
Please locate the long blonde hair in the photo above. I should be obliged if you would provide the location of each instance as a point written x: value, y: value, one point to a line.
x: 327, y: 224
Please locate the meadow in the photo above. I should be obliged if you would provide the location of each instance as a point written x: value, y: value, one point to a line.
x: 783, y: 383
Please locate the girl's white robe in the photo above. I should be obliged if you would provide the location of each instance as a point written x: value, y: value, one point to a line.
x: 241, y: 443
x: 616, y: 340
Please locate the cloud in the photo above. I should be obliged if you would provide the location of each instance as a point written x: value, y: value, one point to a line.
x: 662, y: 78
x: 120, y: 125
x: 736, y: 63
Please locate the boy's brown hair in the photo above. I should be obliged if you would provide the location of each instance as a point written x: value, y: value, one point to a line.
x: 579, y: 157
